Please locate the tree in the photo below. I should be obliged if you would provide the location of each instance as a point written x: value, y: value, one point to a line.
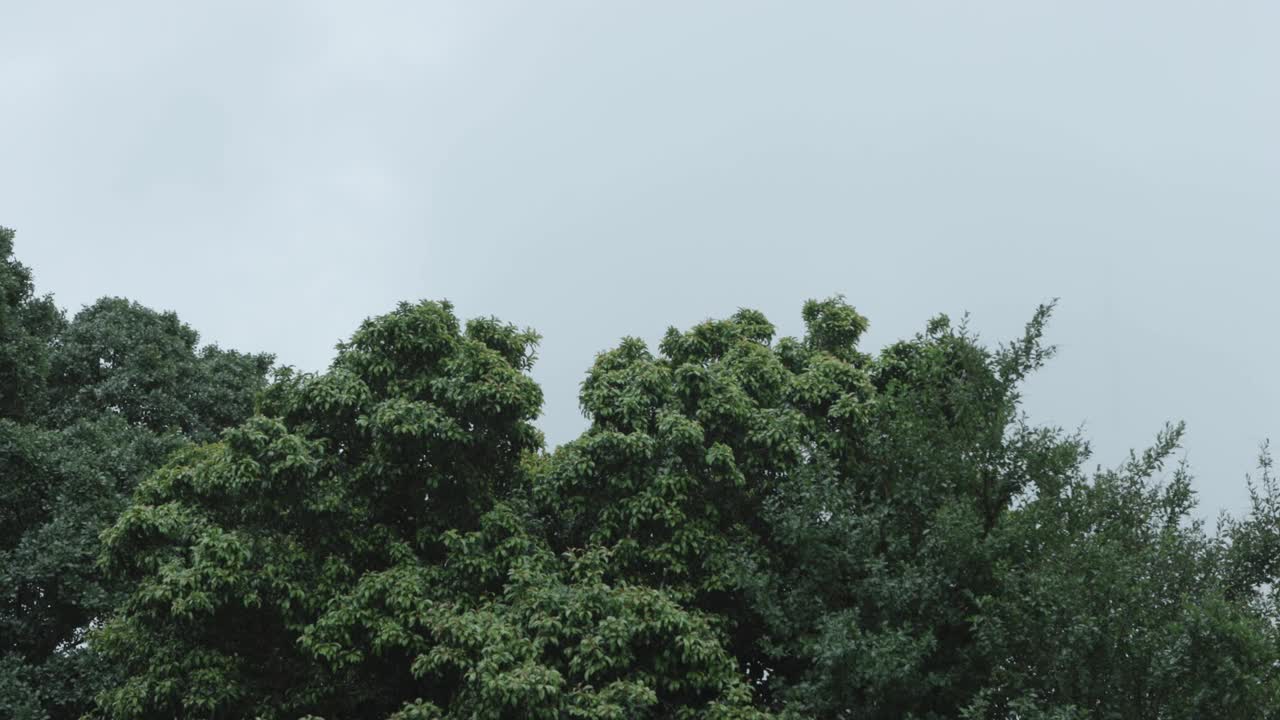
x: 362, y: 549
x: 1111, y: 602
x: 63, y: 487
x: 750, y: 527
x: 686, y: 450
x: 92, y: 407
x: 888, y: 537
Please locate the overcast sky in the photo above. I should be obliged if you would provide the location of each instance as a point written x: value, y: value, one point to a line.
x: 277, y: 171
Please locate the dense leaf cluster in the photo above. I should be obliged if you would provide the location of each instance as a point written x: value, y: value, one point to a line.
x: 750, y: 527
x: 88, y: 407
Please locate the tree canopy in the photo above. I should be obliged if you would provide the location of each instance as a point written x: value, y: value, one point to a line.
x: 88, y: 407
x: 750, y: 527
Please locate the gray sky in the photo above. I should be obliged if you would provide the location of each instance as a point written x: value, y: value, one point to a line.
x: 277, y: 171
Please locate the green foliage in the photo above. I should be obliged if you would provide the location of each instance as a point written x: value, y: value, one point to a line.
x: 120, y: 357
x: 89, y: 408
x: 1111, y: 601
x: 750, y: 527
x: 27, y: 326
x: 362, y: 549
x: 62, y: 487
x: 1252, y: 553
x: 881, y: 537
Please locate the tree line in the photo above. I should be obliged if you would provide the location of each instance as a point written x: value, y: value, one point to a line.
x: 751, y: 527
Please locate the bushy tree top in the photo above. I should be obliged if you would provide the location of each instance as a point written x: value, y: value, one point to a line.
x: 750, y: 527
x: 88, y: 407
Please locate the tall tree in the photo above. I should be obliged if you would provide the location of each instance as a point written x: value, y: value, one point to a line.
x: 363, y: 549
x: 887, y: 537
x: 93, y: 406
x: 750, y: 527
x: 1111, y: 601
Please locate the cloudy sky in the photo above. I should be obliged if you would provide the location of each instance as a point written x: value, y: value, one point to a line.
x: 277, y: 171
